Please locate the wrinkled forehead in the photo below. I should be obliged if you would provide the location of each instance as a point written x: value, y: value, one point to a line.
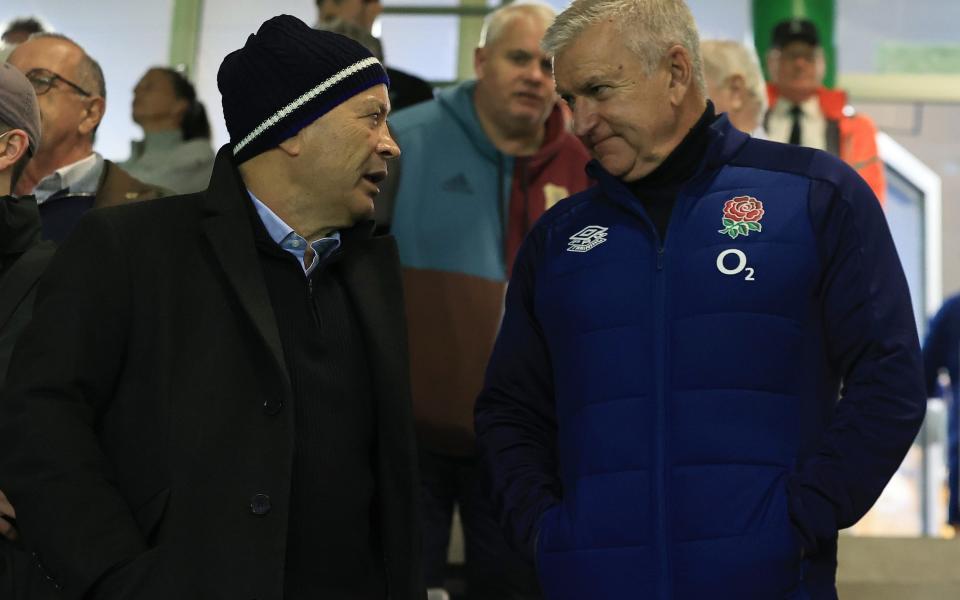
x: 53, y: 54
x: 372, y: 99
x: 591, y: 54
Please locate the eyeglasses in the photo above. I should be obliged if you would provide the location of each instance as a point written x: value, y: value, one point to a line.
x: 43, y: 79
x: 808, y: 54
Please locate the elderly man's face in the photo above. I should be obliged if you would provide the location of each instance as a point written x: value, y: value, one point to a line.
x: 514, y: 74
x: 624, y: 117
x: 65, y: 112
x: 797, y: 70
x: 344, y: 156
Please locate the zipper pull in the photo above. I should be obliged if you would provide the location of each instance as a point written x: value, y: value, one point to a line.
x: 313, y: 302
x: 660, y: 258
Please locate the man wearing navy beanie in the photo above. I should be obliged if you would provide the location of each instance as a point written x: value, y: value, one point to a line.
x: 212, y: 400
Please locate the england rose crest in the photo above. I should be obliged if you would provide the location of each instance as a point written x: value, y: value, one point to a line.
x: 741, y: 215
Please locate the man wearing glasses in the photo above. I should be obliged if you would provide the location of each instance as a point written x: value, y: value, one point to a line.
x: 67, y: 176
x: 805, y: 113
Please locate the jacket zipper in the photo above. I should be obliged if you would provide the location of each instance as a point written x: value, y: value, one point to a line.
x: 312, y: 301
x: 664, y: 587
x: 661, y: 449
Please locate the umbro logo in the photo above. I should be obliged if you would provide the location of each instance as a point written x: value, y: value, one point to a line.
x: 457, y: 183
x: 587, y: 238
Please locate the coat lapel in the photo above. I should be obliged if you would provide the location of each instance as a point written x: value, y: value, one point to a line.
x: 370, y: 270
x: 22, y: 277
x: 226, y: 224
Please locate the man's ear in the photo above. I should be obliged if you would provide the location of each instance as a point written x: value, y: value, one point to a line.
x: 293, y: 145
x: 773, y: 64
x: 16, y: 145
x: 681, y: 73
x: 180, y: 108
x: 95, y: 109
x: 738, y: 91
x: 479, y: 58
x: 821, y: 63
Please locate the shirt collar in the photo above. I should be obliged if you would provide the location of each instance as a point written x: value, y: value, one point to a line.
x: 81, y: 177
x: 288, y: 239
x: 809, y: 107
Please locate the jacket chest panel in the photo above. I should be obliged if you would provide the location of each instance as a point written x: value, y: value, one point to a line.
x: 743, y: 273
x: 594, y: 301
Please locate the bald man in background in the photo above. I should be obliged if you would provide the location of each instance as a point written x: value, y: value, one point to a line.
x: 67, y: 176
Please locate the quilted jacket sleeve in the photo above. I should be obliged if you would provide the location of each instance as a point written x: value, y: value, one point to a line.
x: 871, y: 345
x: 515, y: 416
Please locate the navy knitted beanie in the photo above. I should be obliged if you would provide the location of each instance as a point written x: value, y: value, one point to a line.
x: 286, y: 77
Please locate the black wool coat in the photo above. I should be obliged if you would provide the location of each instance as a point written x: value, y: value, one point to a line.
x: 146, y: 434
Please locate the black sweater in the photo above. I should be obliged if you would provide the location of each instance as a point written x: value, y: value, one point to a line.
x: 333, y: 544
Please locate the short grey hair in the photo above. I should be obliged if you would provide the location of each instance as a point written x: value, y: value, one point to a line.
x: 723, y: 59
x: 649, y: 28
x: 88, y: 71
x: 495, y: 22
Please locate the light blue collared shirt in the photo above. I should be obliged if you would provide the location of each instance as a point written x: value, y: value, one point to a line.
x: 291, y: 241
x: 78, y: 179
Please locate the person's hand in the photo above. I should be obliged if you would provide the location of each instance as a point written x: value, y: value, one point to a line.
x: 7, y: 529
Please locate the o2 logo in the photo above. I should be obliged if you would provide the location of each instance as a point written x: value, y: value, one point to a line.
x: 734, y: 262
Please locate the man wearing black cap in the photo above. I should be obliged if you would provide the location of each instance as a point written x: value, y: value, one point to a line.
x: 22, y: 255
x: 23, y: 258
x: 804, y: 113
x: 212, y: 399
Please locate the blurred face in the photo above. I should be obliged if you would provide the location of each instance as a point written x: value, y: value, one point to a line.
x: 624, y: 117
x: 369, y: 13
x: 350, y: 11
x: 730, y: 96
x: 154, y: 100
x: 66, y: 114
x: 16, y: 36
x: 513, y: 76
x: 343, y: 156
x: 720, y: 94
x: 797, y: 70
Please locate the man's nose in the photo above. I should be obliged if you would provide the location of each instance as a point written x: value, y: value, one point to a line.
x: 535, y: 73
x: 584, y: 117
x: 387, y: 147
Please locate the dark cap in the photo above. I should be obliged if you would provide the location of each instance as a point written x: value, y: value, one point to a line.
x: 287, y: 76
x: 795, y: 30
x: 18, y: 104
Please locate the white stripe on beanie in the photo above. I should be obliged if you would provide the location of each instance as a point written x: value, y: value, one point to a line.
x: 310, y: 95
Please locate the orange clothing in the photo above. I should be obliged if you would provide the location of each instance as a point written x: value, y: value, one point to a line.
x: 851, y: 136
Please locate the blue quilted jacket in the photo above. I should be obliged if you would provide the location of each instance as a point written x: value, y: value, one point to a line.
x: 697, y: 418
x: 941, y: 350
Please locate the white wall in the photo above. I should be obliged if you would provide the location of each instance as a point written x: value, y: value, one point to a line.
x: 225, y: 26
x: 125, y: 37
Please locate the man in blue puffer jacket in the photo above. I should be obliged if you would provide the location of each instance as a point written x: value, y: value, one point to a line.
x: 941, y: 350
x: 708, y: 363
